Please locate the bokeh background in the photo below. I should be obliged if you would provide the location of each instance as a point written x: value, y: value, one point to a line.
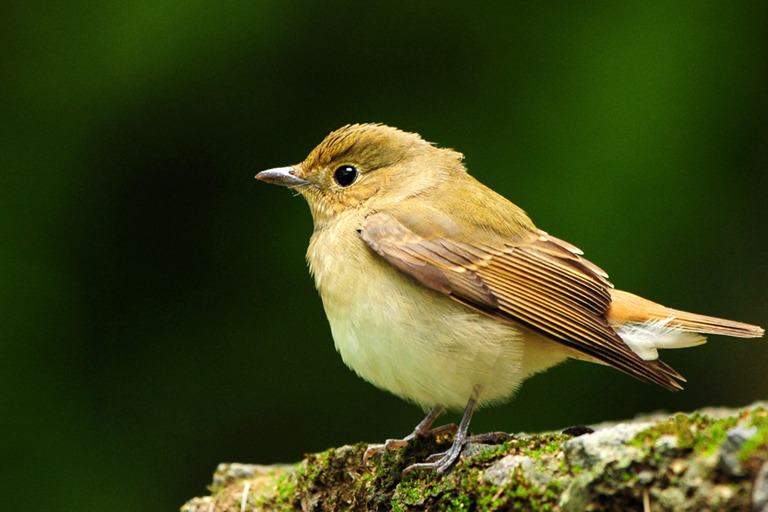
x: 157, y: 317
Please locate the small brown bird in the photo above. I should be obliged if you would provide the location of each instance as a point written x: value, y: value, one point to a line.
x: 443, y: 292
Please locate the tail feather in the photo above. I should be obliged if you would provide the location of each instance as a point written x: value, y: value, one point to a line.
x: 646, y: 338
x: 646, y: 327
x: 629, y: 308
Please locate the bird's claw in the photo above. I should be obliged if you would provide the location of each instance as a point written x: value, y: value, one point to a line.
x: 490, y: 437
x: 391, y: 444
x: 441, y: 462
x: 438, y: 462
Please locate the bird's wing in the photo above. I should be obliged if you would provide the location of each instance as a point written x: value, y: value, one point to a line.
x: 538, y: 281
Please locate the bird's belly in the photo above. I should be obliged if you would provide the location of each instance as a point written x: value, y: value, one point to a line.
x: 423, y: 345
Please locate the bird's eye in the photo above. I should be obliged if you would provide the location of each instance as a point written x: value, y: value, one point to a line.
x: 346, y: 175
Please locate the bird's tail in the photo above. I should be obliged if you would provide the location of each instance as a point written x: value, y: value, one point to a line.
x: 646, y: 326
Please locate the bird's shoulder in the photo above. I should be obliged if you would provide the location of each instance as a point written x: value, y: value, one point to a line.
x: 460, y: 210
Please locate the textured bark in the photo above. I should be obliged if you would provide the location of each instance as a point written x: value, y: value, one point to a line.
x: 713, y: 459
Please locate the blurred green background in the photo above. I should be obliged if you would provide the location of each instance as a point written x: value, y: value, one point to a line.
x: 157, y: 314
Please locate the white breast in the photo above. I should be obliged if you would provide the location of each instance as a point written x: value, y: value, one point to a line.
x: 415, y: 342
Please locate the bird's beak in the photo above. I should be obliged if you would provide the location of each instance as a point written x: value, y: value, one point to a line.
x: 285, y: 176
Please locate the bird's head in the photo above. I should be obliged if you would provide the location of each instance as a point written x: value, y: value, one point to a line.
x: 365, y: 166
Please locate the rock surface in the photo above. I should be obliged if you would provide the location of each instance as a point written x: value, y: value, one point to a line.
x: 714, y: 459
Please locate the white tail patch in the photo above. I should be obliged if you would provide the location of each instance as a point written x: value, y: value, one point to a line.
x: 646, y: 338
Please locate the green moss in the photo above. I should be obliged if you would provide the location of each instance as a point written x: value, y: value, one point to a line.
x: 336, y: 480
x: 490, y: 498
x: 415, y: 491
x: 464, y: 487
x: 492, y: 453
x: 536, y: 446
x: 757, y: 446
x: 758, y: 442
x: 458, y: 504
x: 703, y: 434
x: 285, y: 488
x: 697, y: 432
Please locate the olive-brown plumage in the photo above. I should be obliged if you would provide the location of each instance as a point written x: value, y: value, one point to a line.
x: 444, y: 292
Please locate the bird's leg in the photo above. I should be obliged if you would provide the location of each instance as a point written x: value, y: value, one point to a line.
x: 422, y: 429
x: 440, y: 462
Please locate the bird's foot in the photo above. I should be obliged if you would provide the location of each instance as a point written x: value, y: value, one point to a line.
x: 392, y: 444
x: 443, y: 461
x: 490, y: 437
x: 439, y: 462
x: 389, y: 444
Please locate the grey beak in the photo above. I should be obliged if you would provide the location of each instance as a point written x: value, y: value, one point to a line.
x: 282, y: 176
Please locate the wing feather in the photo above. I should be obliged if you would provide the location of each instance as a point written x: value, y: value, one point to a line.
x: 538, y: 281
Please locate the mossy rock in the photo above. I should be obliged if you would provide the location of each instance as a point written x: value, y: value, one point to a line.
x: 713, y: 459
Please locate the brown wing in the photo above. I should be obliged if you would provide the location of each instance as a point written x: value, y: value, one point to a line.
x: 538, y: 281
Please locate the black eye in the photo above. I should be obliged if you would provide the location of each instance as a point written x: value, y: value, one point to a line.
x: 346, y: 175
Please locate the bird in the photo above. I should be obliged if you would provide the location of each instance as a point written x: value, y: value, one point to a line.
x: 444, y: 293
